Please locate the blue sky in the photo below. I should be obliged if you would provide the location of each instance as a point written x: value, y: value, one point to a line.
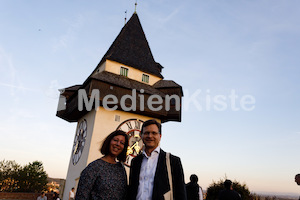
x: 216, y: 47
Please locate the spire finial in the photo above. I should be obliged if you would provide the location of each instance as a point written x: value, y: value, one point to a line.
x: 125, y: 16
x: 135, y: 6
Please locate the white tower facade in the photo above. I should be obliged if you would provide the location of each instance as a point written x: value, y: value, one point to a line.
x: 128, y: 72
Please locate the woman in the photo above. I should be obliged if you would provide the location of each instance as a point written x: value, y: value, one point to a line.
x: 106, y: 178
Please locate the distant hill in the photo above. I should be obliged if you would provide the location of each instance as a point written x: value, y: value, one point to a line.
x: 281, y: 196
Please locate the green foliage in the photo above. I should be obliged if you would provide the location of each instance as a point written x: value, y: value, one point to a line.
x: 33, y: 178
x: 9, y: 172
x: 216, y: 187
x: 30, y: 178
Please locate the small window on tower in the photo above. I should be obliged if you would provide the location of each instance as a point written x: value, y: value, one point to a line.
x: 145, y: 78
x: 124, y: 71
x: 117, y: 118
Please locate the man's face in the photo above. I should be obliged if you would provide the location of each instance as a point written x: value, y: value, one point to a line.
x: 297, y: 180
x: 151, y: 136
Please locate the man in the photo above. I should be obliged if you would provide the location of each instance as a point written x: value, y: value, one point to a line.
x: 72, y: 194
x: 193, y: 190
x: 148, y: 173
x: 42, y: 196
x: 229, y: 193
x: 297, y: 180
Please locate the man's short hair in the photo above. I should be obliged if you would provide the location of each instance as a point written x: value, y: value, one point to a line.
x: 194, y: 178
x: 227, y: 184
x: 297, y: 179
x: 149, y: 122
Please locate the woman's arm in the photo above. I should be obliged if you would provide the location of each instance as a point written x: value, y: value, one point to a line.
x: 86, y: 182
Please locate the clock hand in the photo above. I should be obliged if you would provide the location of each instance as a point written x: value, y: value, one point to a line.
x: 130, y: 149
x: 133, y: 146
x: 137, y: 148
x: 76, y: 147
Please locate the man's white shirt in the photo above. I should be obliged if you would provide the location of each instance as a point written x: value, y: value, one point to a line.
x: 200, y: 193
x: 42, y: 198
x: 147, y: 173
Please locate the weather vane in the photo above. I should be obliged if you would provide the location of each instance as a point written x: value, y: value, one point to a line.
x: 125, y: 16
x: 135, y: 6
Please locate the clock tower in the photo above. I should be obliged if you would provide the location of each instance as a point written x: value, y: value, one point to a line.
x: 125, y: 89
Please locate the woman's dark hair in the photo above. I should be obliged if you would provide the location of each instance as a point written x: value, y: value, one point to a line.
x: 106, y: 144
x: 149, y: 122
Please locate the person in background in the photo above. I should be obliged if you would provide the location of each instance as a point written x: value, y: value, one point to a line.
x: 72, y: 194
x: 193, y: 190
x: 105, y: 178
x: 55, y: 196
x: 297, y: 180
x: 229, y: 193
x: 148, y: 173
x: 42, y: 196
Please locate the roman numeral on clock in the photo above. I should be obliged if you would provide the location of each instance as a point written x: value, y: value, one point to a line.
x: 137, y: 124
x: 129, y: 125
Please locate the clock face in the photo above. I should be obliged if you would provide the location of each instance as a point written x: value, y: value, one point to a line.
x: 133, y: 129
x: 79, y: 141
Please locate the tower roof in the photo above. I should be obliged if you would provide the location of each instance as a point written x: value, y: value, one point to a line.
x: 131, y: 48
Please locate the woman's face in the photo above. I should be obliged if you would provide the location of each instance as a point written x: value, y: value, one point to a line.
x: 117, y: 145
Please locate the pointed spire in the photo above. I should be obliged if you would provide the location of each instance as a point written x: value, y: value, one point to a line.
x: 131, y: 48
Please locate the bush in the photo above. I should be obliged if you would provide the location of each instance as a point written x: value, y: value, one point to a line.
x: 216, y: 187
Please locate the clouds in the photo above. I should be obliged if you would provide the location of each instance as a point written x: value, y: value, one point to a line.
x: 169, y: 17
x: 11, y: 79
x: 71, y: 34
x: 52, y: 90
x: 9, y: 74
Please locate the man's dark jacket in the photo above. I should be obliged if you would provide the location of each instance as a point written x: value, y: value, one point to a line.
x: 192, y: 191
x: 229, y: 195
x: 161, y: 180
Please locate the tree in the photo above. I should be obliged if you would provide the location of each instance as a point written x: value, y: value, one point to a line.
x: 30, y: 178
x: 33, y: 178
x: 214, y: 189
x: 9, y: 171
